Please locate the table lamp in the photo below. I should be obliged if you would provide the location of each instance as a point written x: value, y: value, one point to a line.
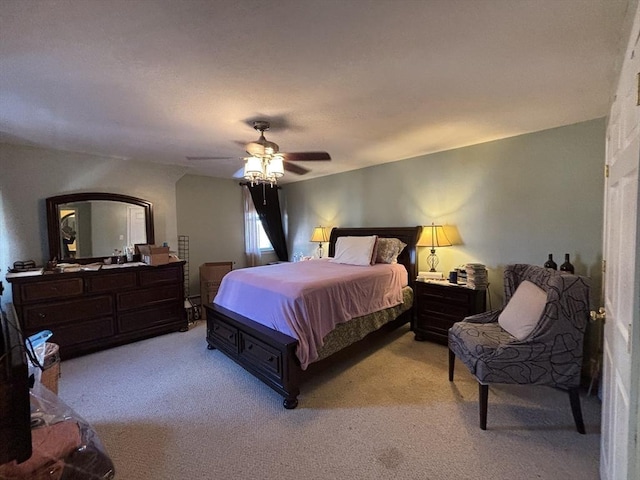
x: 319, y: 235
x: 433, y: 237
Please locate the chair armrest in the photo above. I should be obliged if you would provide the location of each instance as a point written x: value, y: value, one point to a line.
x: 485, y: 317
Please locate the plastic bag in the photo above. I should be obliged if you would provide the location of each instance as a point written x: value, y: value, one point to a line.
x: 65, y: 446
x: 36, y: 346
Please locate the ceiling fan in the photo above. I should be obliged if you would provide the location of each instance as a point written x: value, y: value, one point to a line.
x: 262, y: 147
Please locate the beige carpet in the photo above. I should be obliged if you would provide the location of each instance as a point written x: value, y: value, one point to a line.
x: 168, y: 408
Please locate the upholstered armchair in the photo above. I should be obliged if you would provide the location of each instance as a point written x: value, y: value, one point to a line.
x: 536, y: 339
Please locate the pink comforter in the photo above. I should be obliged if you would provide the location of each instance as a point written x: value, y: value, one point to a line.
x: 306, y: 300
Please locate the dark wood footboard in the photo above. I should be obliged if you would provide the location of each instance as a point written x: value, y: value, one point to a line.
x: 270, y: 355
x: 267, y: 354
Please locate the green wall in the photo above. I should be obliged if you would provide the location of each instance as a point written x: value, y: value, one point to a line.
x: 509, y: 201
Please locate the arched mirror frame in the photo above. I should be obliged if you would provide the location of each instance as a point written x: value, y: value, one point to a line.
x: 53, y: 220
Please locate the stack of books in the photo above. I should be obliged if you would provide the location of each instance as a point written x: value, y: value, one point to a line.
x: 477, y: 276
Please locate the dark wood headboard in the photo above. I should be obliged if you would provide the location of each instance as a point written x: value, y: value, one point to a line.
x: 409, y: 235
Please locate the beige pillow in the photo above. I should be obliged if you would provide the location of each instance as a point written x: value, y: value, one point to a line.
x: 389, y: 249
x: 521, y: 315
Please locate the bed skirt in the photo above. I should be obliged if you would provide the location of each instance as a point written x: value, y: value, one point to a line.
x: 356, y: 329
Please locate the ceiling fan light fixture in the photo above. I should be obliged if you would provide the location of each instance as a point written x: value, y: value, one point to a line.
x: 265, y: 165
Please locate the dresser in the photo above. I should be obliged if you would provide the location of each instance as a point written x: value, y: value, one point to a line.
x: 440, y: 304
x: 93, y: 310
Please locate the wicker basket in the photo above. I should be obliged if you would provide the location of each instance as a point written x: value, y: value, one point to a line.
x: 51, y: 367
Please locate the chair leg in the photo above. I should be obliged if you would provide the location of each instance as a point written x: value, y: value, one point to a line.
x: 452, y: 363
x: 574, y: 398
x: 483, y: 390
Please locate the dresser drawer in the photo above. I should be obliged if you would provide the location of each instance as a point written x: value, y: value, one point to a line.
x: 160, y: 275
x: 149, y: 318
x: 67, y: 287
x: 265, y: 357
x: 108, y: 283
x: 50, y: 315
x: 148, y: 296
x: 82, y: 333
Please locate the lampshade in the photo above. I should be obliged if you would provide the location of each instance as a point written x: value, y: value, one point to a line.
x: 319, y: 235
x: 275, y: 168
x: 433, y: 236
x: 252, y: 167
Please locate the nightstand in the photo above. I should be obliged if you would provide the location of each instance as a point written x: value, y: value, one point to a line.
x: 440, y: 304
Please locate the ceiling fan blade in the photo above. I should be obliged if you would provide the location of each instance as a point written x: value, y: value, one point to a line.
x: 290, y: 167
x: 306, y: 156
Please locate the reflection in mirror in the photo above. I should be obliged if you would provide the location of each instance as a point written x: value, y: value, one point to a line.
x: 95, y: 225
x: 68, y: 232
x: 97, y: 228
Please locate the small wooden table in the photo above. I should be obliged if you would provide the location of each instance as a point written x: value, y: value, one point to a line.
x: 440, y: 304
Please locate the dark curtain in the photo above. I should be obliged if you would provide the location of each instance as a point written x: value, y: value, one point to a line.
x: 265, y: 199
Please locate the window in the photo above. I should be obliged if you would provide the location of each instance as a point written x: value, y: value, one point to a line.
x: 264, y: 242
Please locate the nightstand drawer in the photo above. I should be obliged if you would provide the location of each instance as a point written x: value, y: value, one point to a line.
x: 440, y: 305
x: 446, y: 294
x: 453, y: 309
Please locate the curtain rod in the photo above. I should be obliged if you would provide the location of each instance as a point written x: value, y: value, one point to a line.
x: 247, y: 184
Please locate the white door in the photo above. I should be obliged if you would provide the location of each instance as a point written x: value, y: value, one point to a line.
x: 619, y: 454
x: 136, y: 226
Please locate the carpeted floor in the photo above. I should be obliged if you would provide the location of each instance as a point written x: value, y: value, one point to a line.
x: 168, y: 408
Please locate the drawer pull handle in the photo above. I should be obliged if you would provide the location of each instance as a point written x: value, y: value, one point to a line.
x: 250, y: 346
x: 42, y: 315
x: 230, y: 336
x: 271, y: 359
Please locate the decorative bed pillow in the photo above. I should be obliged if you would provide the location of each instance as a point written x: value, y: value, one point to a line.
x: 521, y: 315
x: 355, y: 250
x: 389, y: 249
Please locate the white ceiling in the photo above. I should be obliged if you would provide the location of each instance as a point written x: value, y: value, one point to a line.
x: 369, y: 81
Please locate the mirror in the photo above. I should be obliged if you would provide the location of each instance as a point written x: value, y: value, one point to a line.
x: 88, y: 226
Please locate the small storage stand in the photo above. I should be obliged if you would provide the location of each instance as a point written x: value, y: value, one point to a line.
x: 441, y: 304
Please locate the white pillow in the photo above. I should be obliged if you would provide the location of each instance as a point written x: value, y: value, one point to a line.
x: 355, y: 250
x: 521, y: 315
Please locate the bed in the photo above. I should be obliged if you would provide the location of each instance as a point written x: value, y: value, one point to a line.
x: 274, y: 357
